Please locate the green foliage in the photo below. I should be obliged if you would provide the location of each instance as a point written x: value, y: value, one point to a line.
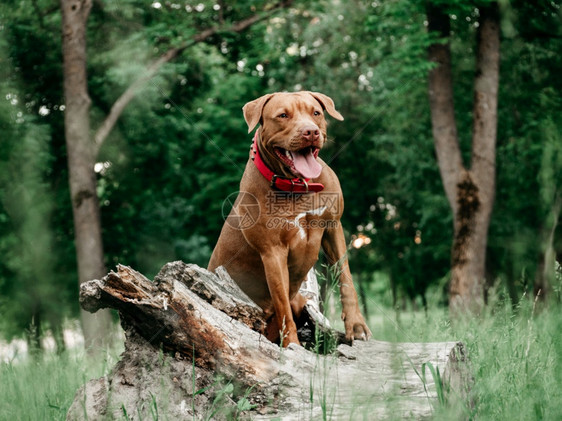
x: 27, y: 270
x: 528, y: 128
x: 37, y: 272
x: 180, y: 147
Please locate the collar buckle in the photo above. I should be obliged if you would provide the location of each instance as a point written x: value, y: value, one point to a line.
x: 305, y: 184
x: 273, y: 181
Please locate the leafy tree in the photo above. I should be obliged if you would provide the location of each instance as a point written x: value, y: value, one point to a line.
x: 172, y: 42
x: 28, y: 279
x: 82, y: 152
x: 175, y: 147
x: 469, y: 189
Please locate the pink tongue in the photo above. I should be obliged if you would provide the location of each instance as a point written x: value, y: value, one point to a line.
x: 306, y: 165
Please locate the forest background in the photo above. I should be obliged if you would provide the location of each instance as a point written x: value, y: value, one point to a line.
x: 178, y: 148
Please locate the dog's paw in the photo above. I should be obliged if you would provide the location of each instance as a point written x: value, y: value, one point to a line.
x: 356, y: 328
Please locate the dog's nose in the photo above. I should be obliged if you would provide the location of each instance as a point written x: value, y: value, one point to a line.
x: 310, y: 133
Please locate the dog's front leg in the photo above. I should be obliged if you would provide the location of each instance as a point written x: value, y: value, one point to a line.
x: 333, y: 243
x: 277, y: 275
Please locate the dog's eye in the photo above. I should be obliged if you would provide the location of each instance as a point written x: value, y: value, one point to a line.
x: 317, y: 113
x: 283, y: 115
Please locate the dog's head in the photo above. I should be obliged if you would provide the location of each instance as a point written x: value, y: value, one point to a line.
x: 293, y: 130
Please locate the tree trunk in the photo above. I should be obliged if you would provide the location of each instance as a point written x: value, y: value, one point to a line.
x: 545, y: 274
x: 82, y: 178
x: 470, y: 192
x: 33, y: 335
x: 193, y: 351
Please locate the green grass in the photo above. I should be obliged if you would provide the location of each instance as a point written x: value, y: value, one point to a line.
x: 44, y: 389
x: 515, y: 357
x: 516, y: 361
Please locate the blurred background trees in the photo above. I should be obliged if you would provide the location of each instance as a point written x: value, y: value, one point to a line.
x: 179, y: 147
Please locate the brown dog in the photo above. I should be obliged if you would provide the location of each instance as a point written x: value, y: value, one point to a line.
x: 290, y: 204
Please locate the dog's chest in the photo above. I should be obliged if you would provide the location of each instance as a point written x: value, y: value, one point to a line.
x: 302, y: 228
x: 301, y: 218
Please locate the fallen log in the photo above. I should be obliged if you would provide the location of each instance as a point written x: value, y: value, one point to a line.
x: 194, y: 349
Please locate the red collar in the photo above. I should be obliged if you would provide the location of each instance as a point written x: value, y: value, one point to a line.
x: 294, y: 185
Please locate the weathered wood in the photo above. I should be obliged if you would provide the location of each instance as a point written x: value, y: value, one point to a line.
x: 208, y: 348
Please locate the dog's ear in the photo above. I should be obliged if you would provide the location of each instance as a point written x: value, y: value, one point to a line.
x: 327, y: 104
x: 253, y: 111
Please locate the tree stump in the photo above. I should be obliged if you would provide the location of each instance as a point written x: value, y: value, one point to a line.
x: 194, y: 350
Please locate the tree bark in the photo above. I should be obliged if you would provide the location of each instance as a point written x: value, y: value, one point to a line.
x: 209, y: 330
x: 84, y: 198
x: 545, y: 274
x: 443, y: 123
x: 483, y: 165
x: 470, y: 191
